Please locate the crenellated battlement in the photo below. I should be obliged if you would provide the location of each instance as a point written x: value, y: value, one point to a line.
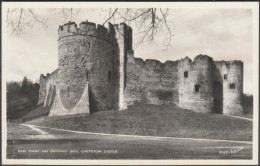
x: 95, y: 30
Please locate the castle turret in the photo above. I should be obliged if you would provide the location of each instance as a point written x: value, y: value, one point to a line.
x: 233, y: 87
x: 195, y: 84
x: 69, y: 28
x: 89, y: 54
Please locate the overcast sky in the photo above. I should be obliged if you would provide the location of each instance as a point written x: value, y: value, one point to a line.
x: 224, y: 34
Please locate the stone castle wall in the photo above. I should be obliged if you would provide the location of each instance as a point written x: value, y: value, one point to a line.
x: 195, y: 88
x: 98, y: 70
x: 196, y: 85
x: 46, y: 84
x: 231, y: 97
x: 151, y: 81
x: 92, y: 55
x: 86, y: 54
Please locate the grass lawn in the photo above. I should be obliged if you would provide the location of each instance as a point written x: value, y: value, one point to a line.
x: 153, y: 120
x: 14, y: 130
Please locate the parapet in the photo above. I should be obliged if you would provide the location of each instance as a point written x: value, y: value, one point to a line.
x: 152, y: 62
x: 171, y: 65
x: 139, y: 61
x: 229, y: 64
x: 91, y: 29
x: 85, y: 28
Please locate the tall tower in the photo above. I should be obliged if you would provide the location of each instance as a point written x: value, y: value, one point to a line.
x: 233, y: 87
x: 124, y: 42
x: 195, y: 83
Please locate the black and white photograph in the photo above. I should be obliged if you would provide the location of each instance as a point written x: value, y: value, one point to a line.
x: 135, y: 83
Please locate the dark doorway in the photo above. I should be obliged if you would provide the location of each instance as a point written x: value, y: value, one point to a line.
x: 217, y: 97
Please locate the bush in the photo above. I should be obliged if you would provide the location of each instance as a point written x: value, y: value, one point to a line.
x: 21, y: 98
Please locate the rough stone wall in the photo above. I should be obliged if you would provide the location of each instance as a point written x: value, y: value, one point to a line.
x: 90, y: 54
x: 234, y: 75
x: 124, y: 44
x: 42, y: 90
x: 98, y: 71
x: 200, y: 76
x: 150, y: 81
x: 46, y: 83
x: 57, y: 108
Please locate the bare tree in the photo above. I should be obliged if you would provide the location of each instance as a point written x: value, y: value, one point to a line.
x: 152, y: 23
x: 20, y: 19
x: 69, y: 14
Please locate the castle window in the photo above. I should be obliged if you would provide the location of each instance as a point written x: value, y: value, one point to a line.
x: 186, y: 74
x: 197, y: 88
x: 87, y: 76
x: 109, y: 76
x: 61, y: 28
x: 88, y: 45
x: 225, y: 77
x: 232, y: 86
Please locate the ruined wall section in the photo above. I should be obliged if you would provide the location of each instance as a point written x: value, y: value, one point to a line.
x: 51, y: 81
x: 151, y: 81
x: 196, y: 81
x: 42, y: 90
x: 85, y: 55
x: 46, y: 84
x: 231, y: 75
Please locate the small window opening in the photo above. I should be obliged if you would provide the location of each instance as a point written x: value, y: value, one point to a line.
x: 61, y: 28
x: 232, y: 86
x: 225, y: 77
x: 186, y: 74
x: 88, y: 45
x: 109, y: 76
x: 87, y: 76
x: 197, y: 88
x: 68, y: 91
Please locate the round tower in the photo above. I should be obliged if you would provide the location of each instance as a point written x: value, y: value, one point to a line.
x: 202, y: 84
x: 233, y: 87
x: 85, y: 55
x: 195, y: 86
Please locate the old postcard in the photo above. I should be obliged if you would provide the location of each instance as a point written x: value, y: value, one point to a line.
x: 139, y: 83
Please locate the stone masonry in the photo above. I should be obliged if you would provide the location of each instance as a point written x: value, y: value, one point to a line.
x: 98, y: 71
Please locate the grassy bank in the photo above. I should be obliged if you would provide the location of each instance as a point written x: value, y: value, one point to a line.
x: 14, y: 130
x: 169, y: 121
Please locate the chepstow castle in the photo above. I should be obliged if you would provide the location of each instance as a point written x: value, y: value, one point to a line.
x: 98, y: 71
